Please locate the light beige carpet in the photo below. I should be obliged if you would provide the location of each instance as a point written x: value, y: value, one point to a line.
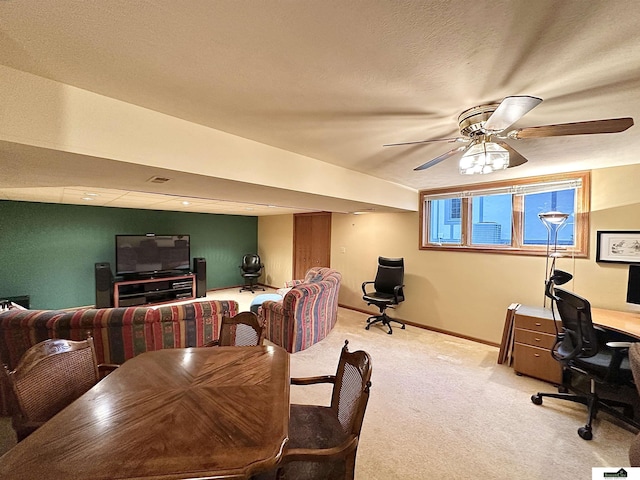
x: 441, y: 407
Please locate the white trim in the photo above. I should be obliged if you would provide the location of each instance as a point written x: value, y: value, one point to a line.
x: 512, y: 189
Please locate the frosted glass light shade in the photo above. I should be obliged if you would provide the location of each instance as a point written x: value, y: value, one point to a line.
x: 484, y: 157
x: 553, y: 218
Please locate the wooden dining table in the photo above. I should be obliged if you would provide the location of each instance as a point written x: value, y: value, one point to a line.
x: 218, y: 412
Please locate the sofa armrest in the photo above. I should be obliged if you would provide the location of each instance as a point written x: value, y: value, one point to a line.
x: 276, y: 326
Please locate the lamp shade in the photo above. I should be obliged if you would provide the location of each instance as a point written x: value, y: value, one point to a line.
x: 484, y: 157
x: 553, y: 218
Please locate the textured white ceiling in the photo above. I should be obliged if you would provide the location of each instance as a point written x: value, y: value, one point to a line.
x: 335, y: 80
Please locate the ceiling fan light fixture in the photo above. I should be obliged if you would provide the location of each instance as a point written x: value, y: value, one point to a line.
x: 484, y: 157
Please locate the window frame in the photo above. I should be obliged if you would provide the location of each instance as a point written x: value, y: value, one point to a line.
x: 581, y: 216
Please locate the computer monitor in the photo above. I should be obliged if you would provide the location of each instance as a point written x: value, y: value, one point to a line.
x: 633, y: 287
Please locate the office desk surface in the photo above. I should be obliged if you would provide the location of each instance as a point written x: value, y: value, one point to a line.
x: 219, y: 412
x: 623, y: 322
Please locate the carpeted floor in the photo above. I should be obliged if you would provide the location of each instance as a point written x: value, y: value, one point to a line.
x: 441, y: 407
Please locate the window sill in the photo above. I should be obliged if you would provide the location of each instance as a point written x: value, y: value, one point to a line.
x: 503, y: 250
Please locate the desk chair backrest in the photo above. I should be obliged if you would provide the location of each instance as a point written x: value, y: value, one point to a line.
x: 579, y: 338
x: 390, y: 274
x: 251, y: 263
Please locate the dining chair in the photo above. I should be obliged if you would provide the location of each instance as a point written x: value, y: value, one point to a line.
x: 323, y: 441
x: 48, y: 377
x: 241, y: 330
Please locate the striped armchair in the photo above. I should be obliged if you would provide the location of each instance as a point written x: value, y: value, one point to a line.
x: 306, y: 314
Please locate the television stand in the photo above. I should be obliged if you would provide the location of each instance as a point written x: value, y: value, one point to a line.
x: 153, y: 290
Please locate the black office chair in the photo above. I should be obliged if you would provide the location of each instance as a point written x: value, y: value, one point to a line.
x: 388, y: 290
x: 582, y: 348
x: 251, y: 269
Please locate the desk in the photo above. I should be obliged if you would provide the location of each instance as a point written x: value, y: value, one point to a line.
x: 219, y: 412
x: 623, y: 322
x: 534, y: 335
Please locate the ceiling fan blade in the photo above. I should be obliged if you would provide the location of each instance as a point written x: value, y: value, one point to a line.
x: 441, y: 158
x: 448, y: 140
x: 515, y: 159
x: 510, y: 110
x: 611, y: 125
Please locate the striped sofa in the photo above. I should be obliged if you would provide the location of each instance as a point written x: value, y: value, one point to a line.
x: 119, y: 333
x: 306, y: 314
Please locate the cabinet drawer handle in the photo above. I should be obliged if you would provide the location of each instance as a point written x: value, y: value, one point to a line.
x: 537, y: 339
x: 536, y: 354
x: 538, y: 324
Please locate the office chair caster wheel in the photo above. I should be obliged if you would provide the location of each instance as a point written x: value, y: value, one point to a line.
x: 402, y: 327
x: 536, y: 399
x: 367, y: 327
x: 585, y: 433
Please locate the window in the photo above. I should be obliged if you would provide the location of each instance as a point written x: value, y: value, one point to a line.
x: 491, y: 220
x: 453, y: 210
x: 503, y: 216
x: 446, y: 220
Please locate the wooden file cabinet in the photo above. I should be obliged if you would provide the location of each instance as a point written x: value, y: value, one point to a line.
x: 534, y: 336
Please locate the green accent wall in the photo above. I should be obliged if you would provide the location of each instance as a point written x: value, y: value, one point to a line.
x: 48, y: 251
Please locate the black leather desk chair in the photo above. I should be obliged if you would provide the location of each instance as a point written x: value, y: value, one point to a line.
x: 251, y: 269
x: 388, y: 290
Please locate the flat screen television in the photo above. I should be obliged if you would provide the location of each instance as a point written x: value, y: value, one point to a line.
x: 150, y: 253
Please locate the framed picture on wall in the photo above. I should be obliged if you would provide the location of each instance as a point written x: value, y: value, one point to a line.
x: 618, y: 246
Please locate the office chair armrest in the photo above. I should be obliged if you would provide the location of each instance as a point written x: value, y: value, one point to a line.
x: 313, y: 380
x: 364, y: 291
x: 396, y: 291
x: 321, y: 454
x: 620, y: 351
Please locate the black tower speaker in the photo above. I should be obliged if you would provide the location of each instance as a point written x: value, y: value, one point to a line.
x: 104, y: 286
x: 200, y: 270
x: 633, y: 287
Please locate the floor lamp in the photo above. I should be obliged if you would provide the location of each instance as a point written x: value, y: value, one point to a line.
x: 553, y: 221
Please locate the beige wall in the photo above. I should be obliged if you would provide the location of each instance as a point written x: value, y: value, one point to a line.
x: 43, y: 113
x: 464, y: 292
x: 275, y: 247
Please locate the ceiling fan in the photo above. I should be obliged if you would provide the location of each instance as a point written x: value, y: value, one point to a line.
x: 483, y: 129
